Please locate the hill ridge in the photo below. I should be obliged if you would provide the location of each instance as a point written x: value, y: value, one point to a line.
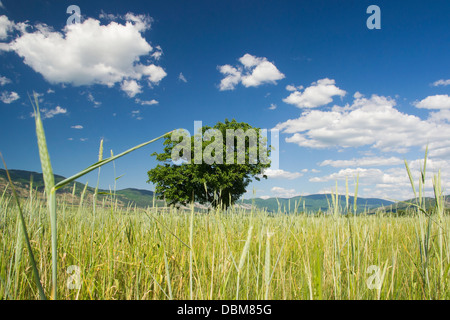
x: 144, y: 197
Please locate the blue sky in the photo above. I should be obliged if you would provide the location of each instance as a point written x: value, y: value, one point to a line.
x: 347, y: 100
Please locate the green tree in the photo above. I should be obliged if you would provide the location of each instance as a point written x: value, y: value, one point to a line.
x: 221, y: 176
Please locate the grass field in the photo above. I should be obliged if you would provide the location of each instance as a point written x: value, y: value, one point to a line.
x: 62, y: 249
x: 160, y: 254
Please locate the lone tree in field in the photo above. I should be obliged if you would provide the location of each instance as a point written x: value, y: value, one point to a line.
x: 213, y: 167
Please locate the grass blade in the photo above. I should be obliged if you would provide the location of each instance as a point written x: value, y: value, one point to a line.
x: 105, y: 161
x: 37, y: 278
x: 49, y: 182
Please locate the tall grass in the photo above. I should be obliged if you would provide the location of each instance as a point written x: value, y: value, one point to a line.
x: 298, y: 256
x: 51, y: 188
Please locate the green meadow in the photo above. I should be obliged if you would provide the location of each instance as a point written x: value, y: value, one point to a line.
x: 170, y: 254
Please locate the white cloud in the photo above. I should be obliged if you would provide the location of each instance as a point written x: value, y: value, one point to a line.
x: 262, y: 71
x: 50, y: 91
x: 108, y: 16
x: 291, y: 87
x: 440, y: 116
x: 363, y: 162
x: 182, y: 77
x: 439, y: 101
x: 92, y: 99
x: 154, y: 73
x: 79, y: 127
x: 158, y: 53
x: 440, y: 152
x: 9, y: 97
x: 392, y: 183
x: 233, y: 76
x: 2, y: 5
x: 318, y: 94
x: 4, y: 80
x: 53, y: 112
x: 136, y: 114
x: 358, y: 95
x: 146, y: 103
x: 253, y: 72
x: 131, y: 87
x: 441, y: 82
x: 367, y: 122
x: 4, y: 46
x: 6, y: 26
x: 280, y: 192
x: 370, y: 174
x: 50, y: 113
x: 273, y: 106
x: 90, y: 53
x: 282, y: 174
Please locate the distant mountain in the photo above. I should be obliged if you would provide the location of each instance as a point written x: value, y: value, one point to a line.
x: 144, y: 198
x: 22, y: 178
x: 401, y: 206
x: 139, y: 197
x: 316, y: 202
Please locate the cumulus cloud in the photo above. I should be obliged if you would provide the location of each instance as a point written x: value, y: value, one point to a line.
x: 440, y: 152
x: 50, y: 113
x: 78, y: 127
x: 320, y: 93
x: 284, y: 193
x: 440, y: 101
x: 6, y: 26
x: 365, y: 174
x: 441, y: 82
x: 363, y: 162
x: 233, y: 76
x: 371, y: 122
x: 291, y: 87
x: 392, y: 183
x: 90, y: 53
x: 358, y: 95
x: 440, y: 116
x: 251, y: 72
x: 146, y: 102
x: 273, y: 106
x: 9, y: 97
x: 53, y: 112
x: 282, y: 174
x: 131, y: 87
x: 158, y: 53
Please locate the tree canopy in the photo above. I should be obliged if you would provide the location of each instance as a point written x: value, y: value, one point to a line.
x: 212, y: 168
